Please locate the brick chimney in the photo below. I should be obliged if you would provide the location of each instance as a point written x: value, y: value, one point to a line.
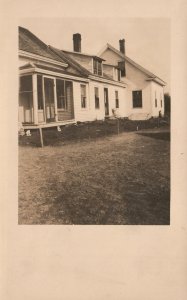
x: 122, y: 46
x: 77, y: 42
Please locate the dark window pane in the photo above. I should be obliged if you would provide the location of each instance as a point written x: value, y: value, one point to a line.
x: 137, y: 99
x: 26, y: 83
x: 40, y: 92
x: 83, y: 96
x: 69, y: 93
x: 119, y: 77
x: 97, y: 98
x: 60, y: 90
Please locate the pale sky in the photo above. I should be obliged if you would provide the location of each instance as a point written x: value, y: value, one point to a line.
x: 147, y: 39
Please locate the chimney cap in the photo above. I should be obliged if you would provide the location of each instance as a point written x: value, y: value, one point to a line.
x: 122, y: 46
x: 77, y: 42
x: 76, y: 35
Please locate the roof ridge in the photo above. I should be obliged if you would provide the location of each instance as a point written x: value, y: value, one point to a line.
x: 134, y: 63
x: 41, y: 43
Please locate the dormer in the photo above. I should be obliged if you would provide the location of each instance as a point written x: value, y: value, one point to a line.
x: 97, y: 66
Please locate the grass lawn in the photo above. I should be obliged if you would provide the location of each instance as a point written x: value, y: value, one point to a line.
x: 120, y: 179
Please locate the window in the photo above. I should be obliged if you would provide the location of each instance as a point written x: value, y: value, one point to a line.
x: 64, y: 92
x: 60, y: 92
x: 26, y: 90
x: 96, y: 97
x: 155, y: 100
x: 26, y: 84
x: 83, y: 96
x: 117, y: 99
x: 118, y: 74
x: 40, y: 92
x: 26, y: 98
x: 137, y: 99
x: 97, y: 67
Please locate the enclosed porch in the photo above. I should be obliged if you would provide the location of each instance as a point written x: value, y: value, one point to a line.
x: 45, y: 101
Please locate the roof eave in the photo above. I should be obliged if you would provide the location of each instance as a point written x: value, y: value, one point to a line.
x: 157, y: 80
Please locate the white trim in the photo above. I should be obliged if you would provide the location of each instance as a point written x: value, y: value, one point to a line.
x: 87, y: 91
x: 55, y: 101
x: 26, y: 71
x: 35, y: 99
x: 47, y: 72
x: 124, y: 85
x: 133, y: 63
x: 42, y: 58
x: 60, y: 75
x: 157, y: 80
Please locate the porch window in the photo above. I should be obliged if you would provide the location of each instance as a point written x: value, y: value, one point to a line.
x: 83, y: 96
x: 61, y: 97
x: 26, y: 99
x: 40, y: 92
x: 26, y: 84
x: 64, y: 92
x: 137, y: 99
x: 97, y: 67
x: 97, y: 98
x: 117, y: 99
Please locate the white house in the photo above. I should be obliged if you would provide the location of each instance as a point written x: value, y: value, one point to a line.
x: 56, y: 88
x: 145, y: 90
x: 59, y: 87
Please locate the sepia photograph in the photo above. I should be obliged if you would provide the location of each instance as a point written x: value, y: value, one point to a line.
x: 93, y: 150
x: 94, y: 121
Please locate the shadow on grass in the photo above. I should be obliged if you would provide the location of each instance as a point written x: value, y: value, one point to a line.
x: 157, y: 135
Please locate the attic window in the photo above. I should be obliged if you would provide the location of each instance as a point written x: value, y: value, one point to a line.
x: 97, y: 67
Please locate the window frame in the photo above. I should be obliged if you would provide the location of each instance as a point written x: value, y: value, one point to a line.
x: 97, y: 104
x: 65, y: 108
x: 97, y: 67
x: 118, y: 74
x: 133, y: 100
x: 117, y: 99
x: 156, y: 103
x: 83, y: 96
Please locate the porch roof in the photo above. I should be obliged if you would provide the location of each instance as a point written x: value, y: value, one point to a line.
x: 47, y: 68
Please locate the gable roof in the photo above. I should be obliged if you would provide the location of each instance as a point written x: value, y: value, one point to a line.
x: 70, y: 61
x: 132, y: 62
x: 83, y: 54
x: 30, y: 43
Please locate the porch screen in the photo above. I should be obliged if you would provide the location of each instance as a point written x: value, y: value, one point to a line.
x: 26, y: 99
x: 61, y: 97
x: 64, y: 91
x: 40, y: 92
